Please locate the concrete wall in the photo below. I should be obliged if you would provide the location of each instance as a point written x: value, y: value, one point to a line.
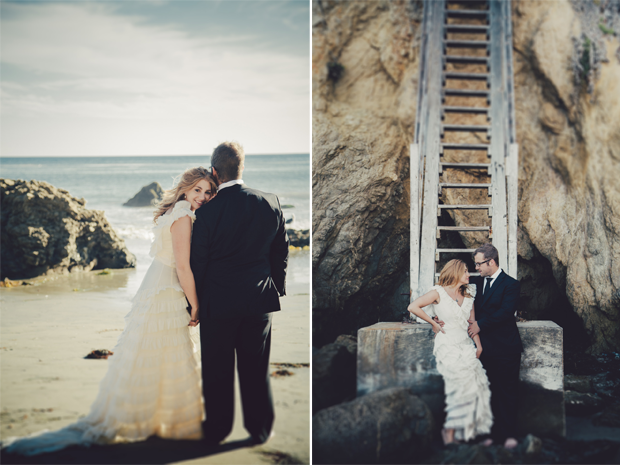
x: 401, y: 354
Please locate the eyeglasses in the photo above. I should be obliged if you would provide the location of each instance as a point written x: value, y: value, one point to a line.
x: 482, y: 263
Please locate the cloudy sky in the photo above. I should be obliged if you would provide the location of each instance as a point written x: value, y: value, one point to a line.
x: 152, y: 77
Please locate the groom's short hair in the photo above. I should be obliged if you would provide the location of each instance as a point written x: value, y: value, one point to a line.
x: 228, y: 159
x: 489, y: 251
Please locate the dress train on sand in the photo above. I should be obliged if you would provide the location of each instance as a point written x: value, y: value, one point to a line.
x: 153, y: 383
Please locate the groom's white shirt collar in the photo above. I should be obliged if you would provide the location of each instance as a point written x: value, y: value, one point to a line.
x: 226, y: 184
x: 494, y: 277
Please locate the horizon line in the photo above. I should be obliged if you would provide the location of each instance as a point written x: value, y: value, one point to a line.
x: 159, y: 155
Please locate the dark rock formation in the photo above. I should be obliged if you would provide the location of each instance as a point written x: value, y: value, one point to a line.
x: 609, y: 417
x: 388, y: 426
x: 147, y: 197
x: 530, y: 450
x: 333, y: 376
x: 101, y: 354
x: 298, y: 238
x: 582, y: 404
x: 577, y: 383
x: 349, y: 342
x: 46, y: 230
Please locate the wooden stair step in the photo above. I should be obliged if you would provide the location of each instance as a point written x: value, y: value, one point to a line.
x: 465, y: 76
x: 466, y: 60
x: 452, y: 109
x: 438, y: 251
x: 453, y: 43
x: 465, y: 166
x: 462, y: 228
x: 457, y: 185
x: 469, y: 14
x: 465, y: 93
x: 464, y: 127
x: 466, y: 29
x: 455, y: 146
x: 465, y: 207
x: 461, y: 185
x: 468, y: 2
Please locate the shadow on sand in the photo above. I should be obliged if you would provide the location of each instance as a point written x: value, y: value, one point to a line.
x: 152, y: 451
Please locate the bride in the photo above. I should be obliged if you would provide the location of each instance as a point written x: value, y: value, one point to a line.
x: 468, y: 398
x: 153, y: 382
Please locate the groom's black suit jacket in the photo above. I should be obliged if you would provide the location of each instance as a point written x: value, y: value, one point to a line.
x: 239, y: 253
x: 495, y: 314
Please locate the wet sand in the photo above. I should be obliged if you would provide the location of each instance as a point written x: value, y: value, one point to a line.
x: 46, y: 331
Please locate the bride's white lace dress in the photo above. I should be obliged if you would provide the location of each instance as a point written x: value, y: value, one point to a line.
x: 468, y: 398
x: 153, y: 383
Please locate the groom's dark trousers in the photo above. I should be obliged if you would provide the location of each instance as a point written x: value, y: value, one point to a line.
x: 239, y: 258
x: 501, y: 349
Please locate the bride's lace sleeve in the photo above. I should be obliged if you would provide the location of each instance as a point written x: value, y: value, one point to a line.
x: 471, y: 288
x: 181, y: 208
x: 468, y: 303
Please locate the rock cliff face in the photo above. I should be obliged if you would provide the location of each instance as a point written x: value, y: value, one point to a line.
x: 362, y: 125
x: 569, y: 168
x: 46, y: 230
x: 568, y: 130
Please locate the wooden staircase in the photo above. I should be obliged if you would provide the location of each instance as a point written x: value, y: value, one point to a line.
x: 465, y: 112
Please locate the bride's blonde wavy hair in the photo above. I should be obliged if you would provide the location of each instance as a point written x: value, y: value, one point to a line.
x: 187, y: 181
x: 452, y: 273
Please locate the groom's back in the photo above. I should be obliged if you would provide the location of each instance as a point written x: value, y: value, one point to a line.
x: 239, y: 253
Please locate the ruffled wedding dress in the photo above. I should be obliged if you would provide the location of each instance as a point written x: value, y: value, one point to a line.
x: 468, y: 398
x: 153, y: 383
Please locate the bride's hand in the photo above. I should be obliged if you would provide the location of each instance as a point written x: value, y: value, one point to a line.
x: 478, y: 351
x: 194, y: 318
x: 437, y: 328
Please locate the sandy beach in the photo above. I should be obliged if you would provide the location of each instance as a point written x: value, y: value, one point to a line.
x: 48, y: 328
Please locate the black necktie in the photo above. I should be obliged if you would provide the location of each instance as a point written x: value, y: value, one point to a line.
x: 487, y: 285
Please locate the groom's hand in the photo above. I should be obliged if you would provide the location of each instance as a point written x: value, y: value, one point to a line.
x: 473, y: 328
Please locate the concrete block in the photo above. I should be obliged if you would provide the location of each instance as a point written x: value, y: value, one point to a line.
x: 401, y: 355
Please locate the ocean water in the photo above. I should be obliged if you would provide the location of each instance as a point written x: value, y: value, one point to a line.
x: 108, y: 182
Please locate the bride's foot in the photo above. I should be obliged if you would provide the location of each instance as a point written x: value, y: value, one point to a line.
x: 510, y: 443
x: 448, y: 437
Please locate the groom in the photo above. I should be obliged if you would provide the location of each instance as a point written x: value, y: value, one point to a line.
x: 239, y: 257
x: 495, y: 305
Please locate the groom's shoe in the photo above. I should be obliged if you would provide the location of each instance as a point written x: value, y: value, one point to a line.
x: 257, y: 441
x: 211, y: 441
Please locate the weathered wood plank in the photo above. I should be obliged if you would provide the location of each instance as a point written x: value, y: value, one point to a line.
x: 498, y: 115
x: 414, y: 220
x: 432, y: 146
x: 513, y: 201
